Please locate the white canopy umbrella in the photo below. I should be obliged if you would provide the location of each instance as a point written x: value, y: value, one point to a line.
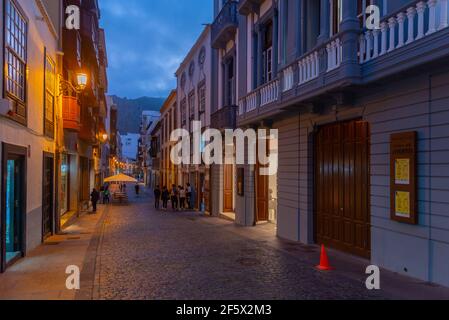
x: 121, y: 178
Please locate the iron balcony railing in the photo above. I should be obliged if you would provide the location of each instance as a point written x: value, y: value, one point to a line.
x: 225, y: 24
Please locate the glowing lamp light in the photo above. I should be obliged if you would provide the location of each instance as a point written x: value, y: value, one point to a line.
x: 81, y: 80
x: 105, y: 136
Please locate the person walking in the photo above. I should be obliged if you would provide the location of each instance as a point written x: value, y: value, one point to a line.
x: 137, y: 188
x: 157, y: 197
x: 106, y: 196
x: 192, y: 197
x: 182, y: 198
x: 165, y: 195
x: 102, y: 194
x: 189, y: 196
x: 174, y: 198
x: 94, y: 197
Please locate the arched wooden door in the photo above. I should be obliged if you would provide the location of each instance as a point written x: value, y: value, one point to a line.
x: 342, y: 187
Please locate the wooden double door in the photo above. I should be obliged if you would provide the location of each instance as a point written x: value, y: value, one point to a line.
x: 342, y: 182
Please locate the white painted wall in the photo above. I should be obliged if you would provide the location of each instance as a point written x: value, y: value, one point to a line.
x: 201, y: 73
x: 39, y: 37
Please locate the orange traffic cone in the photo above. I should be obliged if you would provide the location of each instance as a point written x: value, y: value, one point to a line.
x: 324, y: 261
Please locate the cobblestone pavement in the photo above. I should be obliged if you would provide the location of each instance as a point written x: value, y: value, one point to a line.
x: 148, y: 254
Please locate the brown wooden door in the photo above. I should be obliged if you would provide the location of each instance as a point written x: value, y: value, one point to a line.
x: 342, y: 187
x: 261, y: 196
x: 228, y: 188
x: 262, y: 185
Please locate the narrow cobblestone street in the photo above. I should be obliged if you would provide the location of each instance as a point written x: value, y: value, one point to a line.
x: 149, y: 254
x: 135, y: 252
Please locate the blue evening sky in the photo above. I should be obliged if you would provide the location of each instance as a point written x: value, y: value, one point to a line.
x: 146, y: 41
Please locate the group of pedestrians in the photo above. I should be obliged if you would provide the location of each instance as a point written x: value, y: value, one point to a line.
x: 181, y: 198
x: 104, y: 196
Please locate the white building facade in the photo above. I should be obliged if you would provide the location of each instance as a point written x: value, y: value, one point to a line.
x: 30, y: 109
x: 194, y: 87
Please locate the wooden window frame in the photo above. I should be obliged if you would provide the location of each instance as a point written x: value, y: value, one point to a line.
x: 191, y: 103
x: 335, y: 17
x: 183, y: 111
x: 49, y: 124
x: 20, y: 116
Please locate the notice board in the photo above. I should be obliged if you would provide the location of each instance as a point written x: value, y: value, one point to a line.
x: 403, y: 174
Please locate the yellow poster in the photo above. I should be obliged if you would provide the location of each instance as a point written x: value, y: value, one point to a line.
x: 403, y: 204
x: 402, y: 171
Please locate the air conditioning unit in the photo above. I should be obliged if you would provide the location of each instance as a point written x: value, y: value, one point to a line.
x: 6, y: 106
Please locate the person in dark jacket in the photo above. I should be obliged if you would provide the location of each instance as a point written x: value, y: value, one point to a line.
x: 94, y: 197
x: 165, y: 197
x: 137, y: 188
x: 189, y: 196
x: 174, y: 197
x: 157, y: 197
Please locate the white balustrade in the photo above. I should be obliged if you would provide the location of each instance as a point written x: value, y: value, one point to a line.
x: 407, y: 26
x: 288, y: 79
x: 444, y: 14
x: 308, y: 68
x: 432, y: 16
x: 251, y: 101
x: 269, y: 93
x: 334, y: 54
x: 242, y: 106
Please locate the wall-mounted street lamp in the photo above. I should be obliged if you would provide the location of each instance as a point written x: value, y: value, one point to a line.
x: 67, y: 88
x: 105, y: 137
x: 81, y: 81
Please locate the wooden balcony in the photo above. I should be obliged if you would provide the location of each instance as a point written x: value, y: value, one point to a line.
x: 87, y: 129
x: 71, y: 113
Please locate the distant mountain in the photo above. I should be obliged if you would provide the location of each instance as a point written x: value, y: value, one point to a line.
x: 130, y: 111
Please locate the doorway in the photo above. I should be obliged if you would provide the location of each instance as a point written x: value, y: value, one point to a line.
x: 47, y: 195
x: 262, y: 187
x: 342, y: 187
x: 13, y: 205
x: 228, y: 188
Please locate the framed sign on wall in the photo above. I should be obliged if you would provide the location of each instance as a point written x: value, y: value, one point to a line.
x: 403, y: 184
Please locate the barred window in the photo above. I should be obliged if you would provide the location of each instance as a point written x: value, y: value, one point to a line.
x: 202, y: 97
x: 50, y: 93
x: 184, y: 112
x: 15, y: 53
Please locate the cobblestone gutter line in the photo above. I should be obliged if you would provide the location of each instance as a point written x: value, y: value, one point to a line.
x: 90, y: 274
